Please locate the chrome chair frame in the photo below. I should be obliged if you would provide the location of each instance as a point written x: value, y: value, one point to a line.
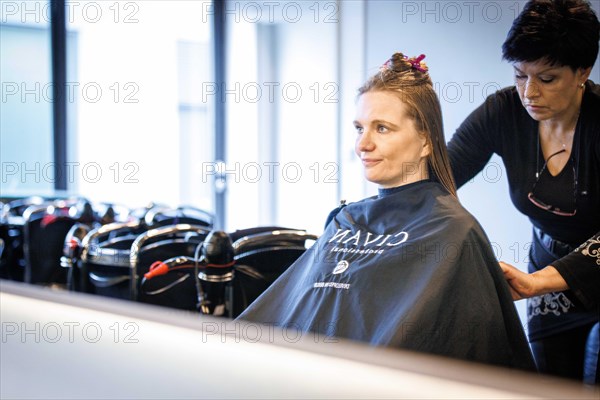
x: 94, y: 252
x: 139, y: 242
x: 151, y: 216
x: 256, y: 244
x: 244, y: 242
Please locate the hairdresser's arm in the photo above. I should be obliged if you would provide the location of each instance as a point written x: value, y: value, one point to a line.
x: 523, y: 285
x: 473, y: 143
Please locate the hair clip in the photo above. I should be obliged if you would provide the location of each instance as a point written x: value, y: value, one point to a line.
x: 416, y: 63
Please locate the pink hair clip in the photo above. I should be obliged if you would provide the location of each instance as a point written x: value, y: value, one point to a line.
x: 416, y: 63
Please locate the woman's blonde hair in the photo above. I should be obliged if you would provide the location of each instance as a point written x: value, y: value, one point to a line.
x: 409, y: 79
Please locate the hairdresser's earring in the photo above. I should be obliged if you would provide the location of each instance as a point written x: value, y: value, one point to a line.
x: 582, y: 84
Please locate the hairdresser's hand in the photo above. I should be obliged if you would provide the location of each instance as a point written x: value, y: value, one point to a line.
x: 520, y: 283
x: 523, y: 285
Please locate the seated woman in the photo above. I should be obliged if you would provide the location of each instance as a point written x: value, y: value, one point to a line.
x: 409, y: 268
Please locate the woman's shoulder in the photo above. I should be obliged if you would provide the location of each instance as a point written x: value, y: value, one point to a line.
x: 589, y: 110
x: 496, y: 106
x: 592, y: 92
x: 593, y: 86
x: 451, y: 207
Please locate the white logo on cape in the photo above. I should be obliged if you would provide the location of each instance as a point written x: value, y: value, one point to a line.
x: 355, y: 240
x: 341, y: 267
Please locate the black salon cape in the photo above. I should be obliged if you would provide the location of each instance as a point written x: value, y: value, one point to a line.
x: 411, y: 269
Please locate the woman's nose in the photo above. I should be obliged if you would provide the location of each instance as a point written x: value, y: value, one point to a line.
x: 364, y: 142
x: 531, y: 90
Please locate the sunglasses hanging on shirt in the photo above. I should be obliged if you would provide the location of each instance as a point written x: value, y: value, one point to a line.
x: 565, y: 210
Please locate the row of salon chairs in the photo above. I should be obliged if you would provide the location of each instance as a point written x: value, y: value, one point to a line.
x: 159, y: 255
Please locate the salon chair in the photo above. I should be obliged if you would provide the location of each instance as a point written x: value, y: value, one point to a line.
x: 155, y: 245
x: 258, y: 257
x: 104, y: 262
x: 44, y: 229
x: 12, y: 258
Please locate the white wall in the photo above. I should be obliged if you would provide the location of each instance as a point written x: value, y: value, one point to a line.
x: 282, y: 128
x: 307, y: 127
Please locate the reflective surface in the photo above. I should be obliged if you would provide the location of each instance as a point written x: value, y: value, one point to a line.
x: 78, y: 346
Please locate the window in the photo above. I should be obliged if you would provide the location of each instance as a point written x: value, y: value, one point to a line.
x: 26, y: 140
x: 140, y: 131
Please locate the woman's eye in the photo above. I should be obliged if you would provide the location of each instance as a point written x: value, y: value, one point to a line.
x: 359, y: 129
x: 546, y: 80
x: 520, y: 77
x: 381, y: 129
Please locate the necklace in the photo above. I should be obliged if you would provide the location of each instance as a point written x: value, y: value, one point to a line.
x: 571, y: 134
x: 564, y: 148
x: 568, y: 136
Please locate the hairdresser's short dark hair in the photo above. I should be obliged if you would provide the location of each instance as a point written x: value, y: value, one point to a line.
x: 561, y: 32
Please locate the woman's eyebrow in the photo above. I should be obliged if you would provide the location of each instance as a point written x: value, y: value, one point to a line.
x: 384, y: 122
x: 541, y: 72
x: 376, y: 122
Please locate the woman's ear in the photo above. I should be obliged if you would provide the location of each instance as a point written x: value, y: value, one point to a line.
x: 426, y: 150
x: 583, y: 74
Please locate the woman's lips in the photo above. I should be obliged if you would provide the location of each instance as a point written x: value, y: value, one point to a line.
x: 369, y: 162
x: 534, y: 108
